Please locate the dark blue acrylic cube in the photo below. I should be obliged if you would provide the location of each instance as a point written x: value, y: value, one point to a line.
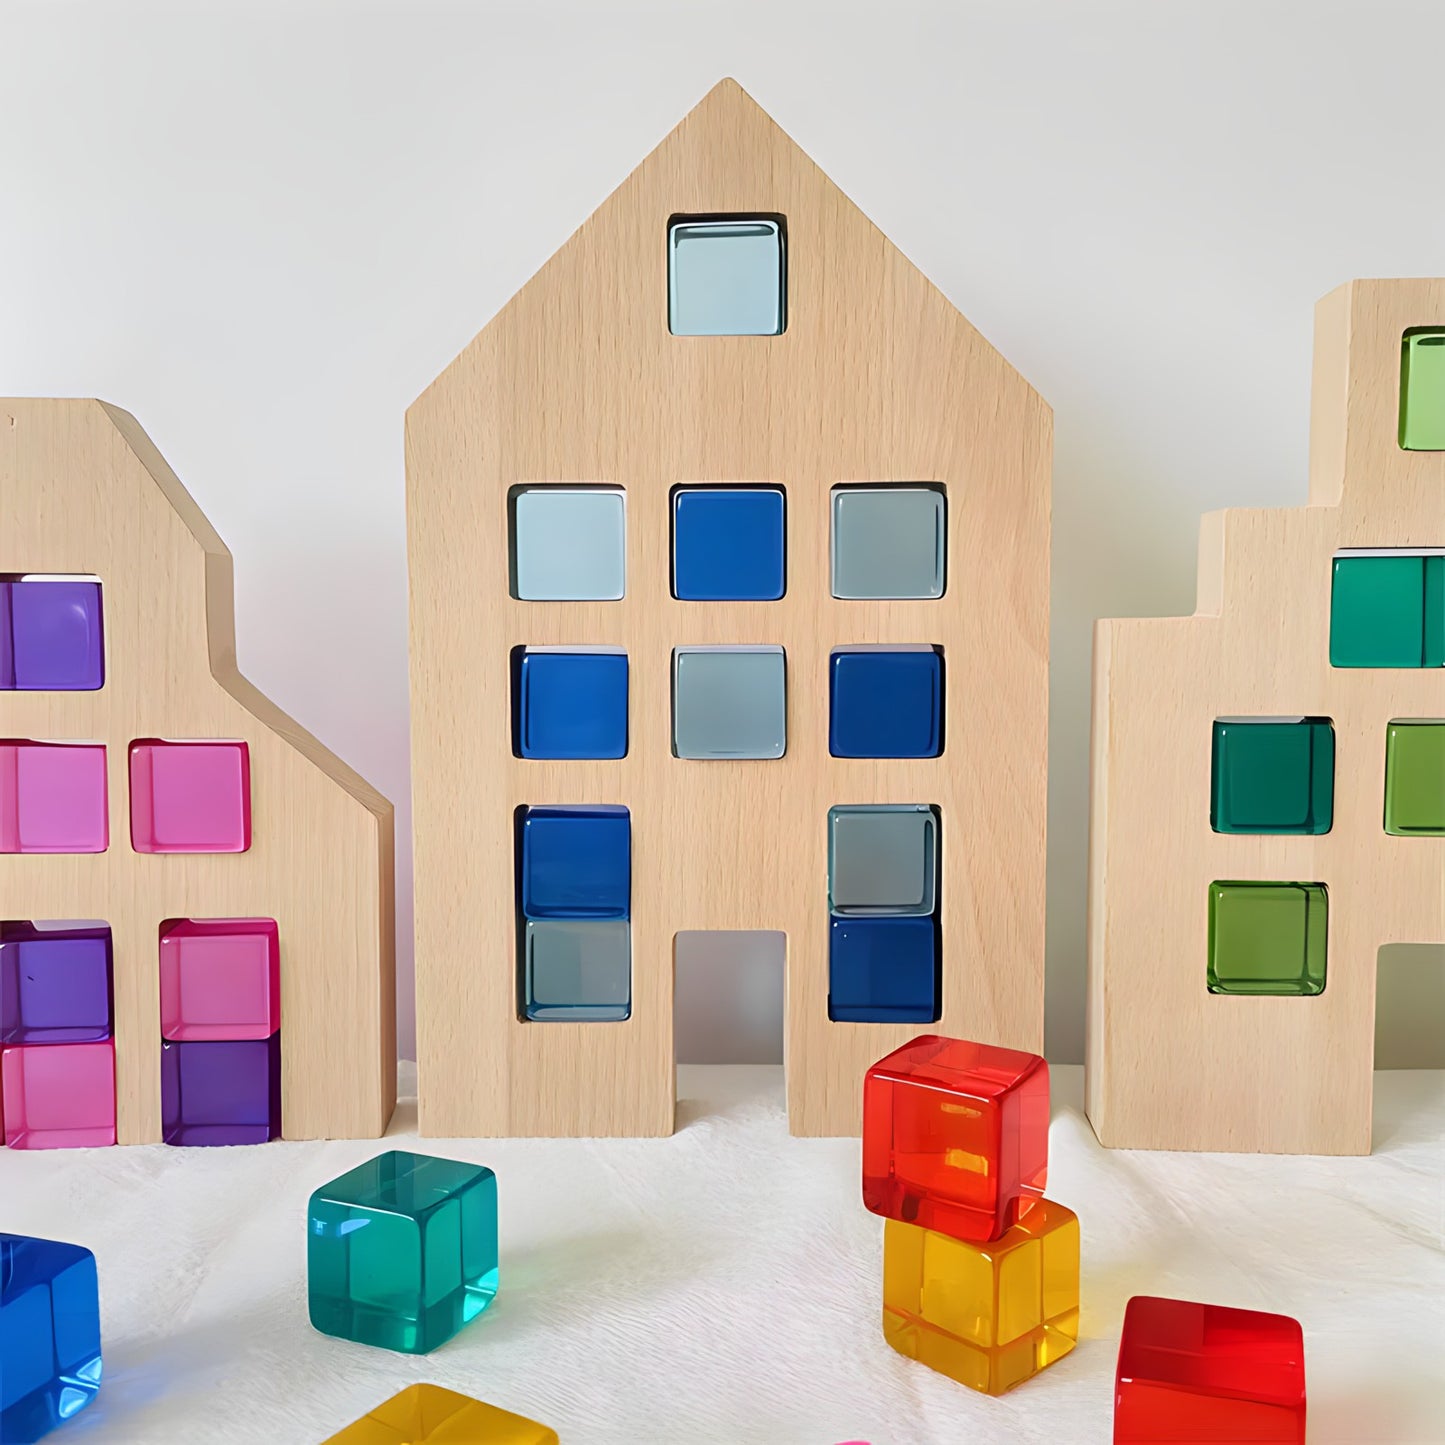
x: 883, y: 970
x: 221, y: 1091
x: 49, y: 1335
x: 569, y: 704
x: 727, y: 544
x: 885, y: 702
x: 576, y: 862
x: 55, y: 983
x: 50, y: 634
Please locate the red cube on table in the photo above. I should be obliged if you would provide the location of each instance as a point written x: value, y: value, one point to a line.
x: 955, y: 1136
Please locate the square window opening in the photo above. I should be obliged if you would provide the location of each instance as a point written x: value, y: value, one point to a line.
x: 727, y: 275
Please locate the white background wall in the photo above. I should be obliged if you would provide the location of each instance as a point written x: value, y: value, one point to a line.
x: 264, y: 227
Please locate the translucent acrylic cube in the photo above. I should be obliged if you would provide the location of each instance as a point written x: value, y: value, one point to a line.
x: 49, y: 1335
x: 402, y: 1251
x: 430, y: 1415
x: 987, y: 1315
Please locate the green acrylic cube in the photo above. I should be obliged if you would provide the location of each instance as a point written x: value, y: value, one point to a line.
x: 1267, y: 938
x: 402, y: 1251
x: 1273, y: 775
x: 1422, y: 389
x: 1387, y: 609
x: 1415, y: 778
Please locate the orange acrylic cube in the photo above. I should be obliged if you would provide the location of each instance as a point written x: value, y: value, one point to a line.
x: 955, y: 1136
x: 987, y: 1315
x: 430, y: 1415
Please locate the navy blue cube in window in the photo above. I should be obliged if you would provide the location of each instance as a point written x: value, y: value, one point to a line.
x: 569, y: 704
x: 727, y: 544
x: 883, y: 970
x: 885, y: 702
x: 576, y: 862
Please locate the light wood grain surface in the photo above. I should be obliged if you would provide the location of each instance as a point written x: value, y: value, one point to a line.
x: 1171, y: 1066
x: 84, y: 490
x: 877, y: 378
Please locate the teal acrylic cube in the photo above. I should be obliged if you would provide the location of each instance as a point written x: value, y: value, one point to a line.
x: 1272, y: 775
x: 402, y: 1251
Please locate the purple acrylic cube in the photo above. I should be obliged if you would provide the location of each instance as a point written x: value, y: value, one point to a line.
x: 55, y: 983
x: 51, y: 634
x: 225, y: 1092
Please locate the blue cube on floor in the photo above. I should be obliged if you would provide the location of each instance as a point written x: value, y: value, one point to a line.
x: 576, y: 862
x: 883, y: 970
x: 569, y: 703
x: 727, y: 544
x: 49, y: 1335
x: 885, y: 702
x: 402, y: 1251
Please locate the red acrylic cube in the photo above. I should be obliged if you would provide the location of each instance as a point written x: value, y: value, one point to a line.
x: 1207, y: 1375
x: 955, y: 1136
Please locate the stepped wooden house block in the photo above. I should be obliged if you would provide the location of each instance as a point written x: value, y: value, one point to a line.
x: 196, y: 914
x: 729, y: 553
x: 1269, y: 774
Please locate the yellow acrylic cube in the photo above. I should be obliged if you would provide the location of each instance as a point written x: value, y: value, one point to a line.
x: 987, y: 1315
x: 430, y: 1415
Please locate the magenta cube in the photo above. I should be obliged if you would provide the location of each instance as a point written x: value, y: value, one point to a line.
x: 58, y: 1096
x: 55, y: 983
x: 52, y: 798
x: 51, y: 634
x: 190, y: 797
x: 220, y: 978
x: 221, y: 1092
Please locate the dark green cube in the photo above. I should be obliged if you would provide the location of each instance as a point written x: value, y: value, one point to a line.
x: 1267, y: 938
x: 1273, y: 775
x: 1387, y: 609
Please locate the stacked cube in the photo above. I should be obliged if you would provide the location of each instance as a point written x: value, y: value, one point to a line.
x: 980, y: 1271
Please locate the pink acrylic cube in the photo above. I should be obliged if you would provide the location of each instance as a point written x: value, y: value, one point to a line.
x: 220, y: 978
x: 190, y: 797
x: 58, y: 1096
x: 52, y: 798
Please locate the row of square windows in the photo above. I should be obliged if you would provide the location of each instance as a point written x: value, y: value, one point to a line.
x: 219, y: 1026
x: 1277, y: 775
x: 185, y: 797
x: 727, y: 702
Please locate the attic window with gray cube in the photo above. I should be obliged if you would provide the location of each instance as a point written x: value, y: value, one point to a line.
x: 726, y: 276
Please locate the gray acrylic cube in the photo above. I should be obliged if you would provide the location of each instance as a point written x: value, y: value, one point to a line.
x: 882, y: 859
x: 888, y: 542
x: 568, y: 544
x: 579, y: 972
x: 725, y: 277
x: 729, y: 702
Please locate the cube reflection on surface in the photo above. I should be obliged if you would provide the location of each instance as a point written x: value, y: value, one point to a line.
x: 402, y: 1251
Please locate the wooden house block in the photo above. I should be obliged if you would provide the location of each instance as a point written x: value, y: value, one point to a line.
x: 260, y: 824
x: 844, y: 367
x: 1275, y: 737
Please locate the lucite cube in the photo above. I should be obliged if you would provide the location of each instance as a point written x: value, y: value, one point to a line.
x: 50, y: 1362
x: 883, y: 970
x: 726, y: 276
x: 52, y: 798
x: 220, y: 978
x: 1208, y: 1375
x: 1387, y: 609
x: 885, y: 702
x: 569, y: 703
x: 430, y: 1415
x: 989, y: 1315
x: 568, y: 544
x: 1272, y: 775
x: 221, y: 1092
x: 882, y: 858
x: 402, y: 1251
x: 578, y: 971
x: 727, y: 544
x: 190, y: 797
x: 1267, y: 938
x: 58, y: 1096
x: 576, y: 861
x: 1415, y: 778
x: 1422, y: 389
x: 55, y: 983
x: 729, y: 703
x: 889, y: 542
x: 51, y: 634
x: 956, y: 1136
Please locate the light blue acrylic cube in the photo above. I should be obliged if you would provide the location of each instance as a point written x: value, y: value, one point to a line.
x: 568, y: 544
x: 726, y: 276
x: 729, y: 703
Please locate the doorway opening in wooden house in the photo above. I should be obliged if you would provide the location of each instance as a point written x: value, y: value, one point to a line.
x: 727, y: 1020
x: 1409, y: 1039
